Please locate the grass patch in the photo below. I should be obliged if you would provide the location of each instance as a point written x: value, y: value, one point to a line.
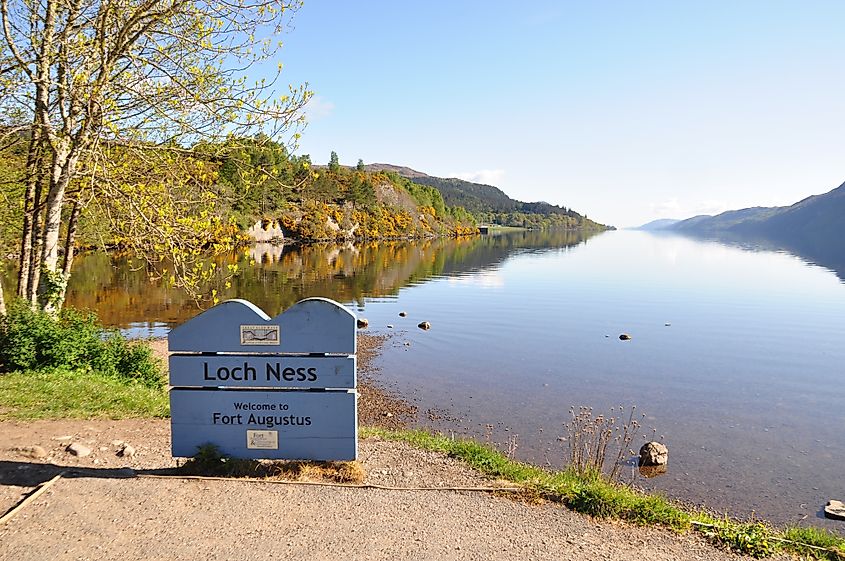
x: 807, y: 540
x: 78, y: 394
x: 592, y: 494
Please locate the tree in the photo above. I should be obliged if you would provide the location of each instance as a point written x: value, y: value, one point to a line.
x: 334, y: 163
x: 360, y: 166
x: 80, y: 78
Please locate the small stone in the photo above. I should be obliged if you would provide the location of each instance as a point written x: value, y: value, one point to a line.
x: 78, y: 449
x: 117, y: 443
x: 35, y: 452
x: 362, y: 323
x: 388, y: 414
x: 390, y: 326
x: 103, y: 448
x: 402, y: 314
x: 834, y: 510
x: 126, y: 451
x: 407, y: 343
x: 667, y: 325
x: 424, y: 325
x: 62, y: 438
x: 625, y: 337
x: 654, y: 454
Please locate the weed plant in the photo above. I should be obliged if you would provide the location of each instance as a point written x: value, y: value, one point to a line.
x: 595, y: 441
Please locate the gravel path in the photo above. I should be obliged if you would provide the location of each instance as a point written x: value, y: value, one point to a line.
x: 99, y: 511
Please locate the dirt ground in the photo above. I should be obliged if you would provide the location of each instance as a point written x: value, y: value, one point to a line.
x: 107, y: 506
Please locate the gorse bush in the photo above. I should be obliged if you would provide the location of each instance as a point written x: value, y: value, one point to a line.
x: 32, y: 340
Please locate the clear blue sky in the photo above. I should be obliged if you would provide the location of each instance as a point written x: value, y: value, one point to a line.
x: 624, y: 111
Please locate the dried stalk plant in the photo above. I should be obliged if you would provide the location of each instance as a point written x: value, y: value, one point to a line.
x: 600, y: 444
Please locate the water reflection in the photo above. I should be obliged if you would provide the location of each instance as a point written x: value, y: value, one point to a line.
x: 828, y: 253
x: 275, y: 277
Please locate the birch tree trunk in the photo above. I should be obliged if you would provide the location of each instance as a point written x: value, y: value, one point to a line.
x: 33, y: 165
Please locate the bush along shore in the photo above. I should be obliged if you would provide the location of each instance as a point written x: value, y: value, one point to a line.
x: 67, y: 366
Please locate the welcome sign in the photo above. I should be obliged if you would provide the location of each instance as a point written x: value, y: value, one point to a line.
x: 262, y: 388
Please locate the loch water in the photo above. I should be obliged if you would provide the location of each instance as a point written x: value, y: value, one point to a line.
x: 736, y: 356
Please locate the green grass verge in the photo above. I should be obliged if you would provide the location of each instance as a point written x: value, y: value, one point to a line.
x: 77, y: 394
x: 593, y: 495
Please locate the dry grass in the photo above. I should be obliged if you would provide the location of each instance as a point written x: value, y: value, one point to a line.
x: 336, y: 472
x: 210, y: 462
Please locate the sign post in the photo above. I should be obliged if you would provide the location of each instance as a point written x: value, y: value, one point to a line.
x: 262, y: 388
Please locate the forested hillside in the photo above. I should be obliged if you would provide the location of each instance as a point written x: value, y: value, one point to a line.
x: 491, y: 205
x: 223, y: 189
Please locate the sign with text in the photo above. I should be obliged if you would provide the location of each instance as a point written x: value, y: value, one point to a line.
x: 265, y: 424
x: 245, y: 382
x: 262, y: 371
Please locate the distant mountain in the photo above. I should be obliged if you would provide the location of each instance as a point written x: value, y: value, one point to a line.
x: 478, y: 197
x: 813, y: 228
x: 660, y: 224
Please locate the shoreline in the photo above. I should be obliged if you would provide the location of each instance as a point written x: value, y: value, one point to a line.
x: 382, y: 411
x: 391, y: 459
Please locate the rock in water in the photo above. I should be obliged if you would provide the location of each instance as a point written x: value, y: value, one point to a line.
x: 654, y: 454
x: 78, y: 449
x: 835, y: 510
x: 424, y: 325
x: 402, y: 314
x: 625, y: 337
x: 363, y: 323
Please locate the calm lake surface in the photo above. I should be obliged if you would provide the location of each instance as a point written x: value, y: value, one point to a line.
x: 736, y: 358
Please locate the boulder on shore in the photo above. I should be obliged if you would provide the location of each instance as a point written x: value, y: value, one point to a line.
x: 654, y: 454
x: 834, y: 510
x: 362, y: 323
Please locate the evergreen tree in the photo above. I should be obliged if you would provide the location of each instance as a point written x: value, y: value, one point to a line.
x: 334, y: 163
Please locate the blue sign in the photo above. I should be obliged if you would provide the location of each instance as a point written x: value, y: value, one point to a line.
x: 238, y: 378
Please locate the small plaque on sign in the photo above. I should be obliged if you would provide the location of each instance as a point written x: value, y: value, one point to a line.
x: 262, y: 439
x: 260, y: 335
